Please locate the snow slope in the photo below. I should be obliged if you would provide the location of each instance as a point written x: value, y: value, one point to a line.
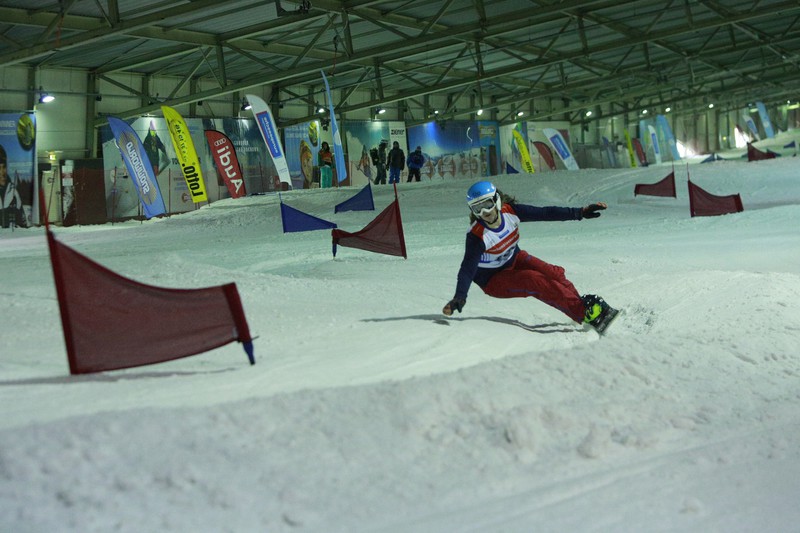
x: 368, y: 410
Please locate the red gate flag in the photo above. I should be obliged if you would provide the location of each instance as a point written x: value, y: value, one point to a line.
x: 704, y: 204
x: 227, y: 162
x: 754, y: 154
x: 665, y: 187
x: 111, y: 322
x: 384, y: 235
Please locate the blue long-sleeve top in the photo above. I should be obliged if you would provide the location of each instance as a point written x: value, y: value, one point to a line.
x: 488, y: 251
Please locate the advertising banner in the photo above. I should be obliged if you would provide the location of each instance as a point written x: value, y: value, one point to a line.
x: 227, y: 163
x: 139, y: 167
x: 187, y: 155
x: 269, y: 132
x: 338, y: 150
x: 17, y: 169
x: 302, y: 142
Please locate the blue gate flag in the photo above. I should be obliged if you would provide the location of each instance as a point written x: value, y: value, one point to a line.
x: 362, y: 201
x: 295, y: 220
x: 139, y: 167
x: 338, y: 151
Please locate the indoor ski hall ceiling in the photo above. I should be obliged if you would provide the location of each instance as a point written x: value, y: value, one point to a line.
x: 496, y: 54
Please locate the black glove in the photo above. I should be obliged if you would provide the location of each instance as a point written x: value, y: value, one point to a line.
x: 456, y: 304
x: 593, y: 210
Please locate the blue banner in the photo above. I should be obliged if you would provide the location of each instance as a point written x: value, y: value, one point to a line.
x: 666, y: 134
x: 139, y: 167
x: 765, y: 121
x: 338, y: 151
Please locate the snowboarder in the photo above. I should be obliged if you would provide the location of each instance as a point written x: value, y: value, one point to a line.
x: 494, y: 261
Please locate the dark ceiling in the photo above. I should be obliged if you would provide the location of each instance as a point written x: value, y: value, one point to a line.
x: 611, y: 55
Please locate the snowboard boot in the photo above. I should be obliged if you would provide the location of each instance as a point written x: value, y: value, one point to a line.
x: 598, y: 313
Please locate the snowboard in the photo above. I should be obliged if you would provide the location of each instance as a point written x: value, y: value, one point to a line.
x: 605, y: 320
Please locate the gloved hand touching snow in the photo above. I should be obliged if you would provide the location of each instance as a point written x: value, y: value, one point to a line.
x: 456, y: 304
x: 593, y: 210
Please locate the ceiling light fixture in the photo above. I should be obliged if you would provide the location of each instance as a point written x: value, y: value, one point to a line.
x: 246, y: 105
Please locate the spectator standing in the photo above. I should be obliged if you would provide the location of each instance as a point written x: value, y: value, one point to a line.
x: 397, y: 162
x: 415, y: 162
x: 380, y: 163
x: 325, y: 160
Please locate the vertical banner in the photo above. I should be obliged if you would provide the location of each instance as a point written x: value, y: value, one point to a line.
x: 139, y: 167
x: 654, y: 142
x: 561, y: 148
x: 630, y: 149
x: 751, y: 124
x: 227, y: 163
x: 667, y: 135
x: 338, y: 151
x: 522, y: 146
x: 187, y: 155
x: 765, y: 121
x: 269, y: 132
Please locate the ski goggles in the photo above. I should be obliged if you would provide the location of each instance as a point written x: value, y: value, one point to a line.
x: 487, y: 203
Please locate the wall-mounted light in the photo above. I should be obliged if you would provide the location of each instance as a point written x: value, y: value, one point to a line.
x: 44, y: 97
x: 381, y: 110
x: 246, y: 105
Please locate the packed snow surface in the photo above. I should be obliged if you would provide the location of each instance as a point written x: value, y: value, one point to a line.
x: 370, y: 411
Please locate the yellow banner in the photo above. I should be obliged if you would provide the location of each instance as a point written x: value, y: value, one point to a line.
x: 187, y: 156
x: 527, y: 164
x: 630, y: 149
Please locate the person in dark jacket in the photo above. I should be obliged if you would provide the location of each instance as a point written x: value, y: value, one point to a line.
x: 379, y: 159
x: 397, y: 162
x: 415, y: 161
x: 494, y: 261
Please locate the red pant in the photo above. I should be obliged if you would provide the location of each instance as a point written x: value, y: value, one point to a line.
x: 530, y: 276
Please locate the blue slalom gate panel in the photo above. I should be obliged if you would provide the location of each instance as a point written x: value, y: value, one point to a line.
x: 296, y: 220
x: 361, y: 201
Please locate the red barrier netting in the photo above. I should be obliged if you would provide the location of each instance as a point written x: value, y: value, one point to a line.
x: 384, y: 235
x: 111, y: 322
x: 704, y: 204
x: 754, y: 154
x: 665, y: 187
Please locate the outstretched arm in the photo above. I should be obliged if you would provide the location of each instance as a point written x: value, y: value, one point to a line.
x: 473, y: 250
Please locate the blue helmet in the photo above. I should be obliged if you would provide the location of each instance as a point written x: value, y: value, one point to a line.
x: 483, y: 195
